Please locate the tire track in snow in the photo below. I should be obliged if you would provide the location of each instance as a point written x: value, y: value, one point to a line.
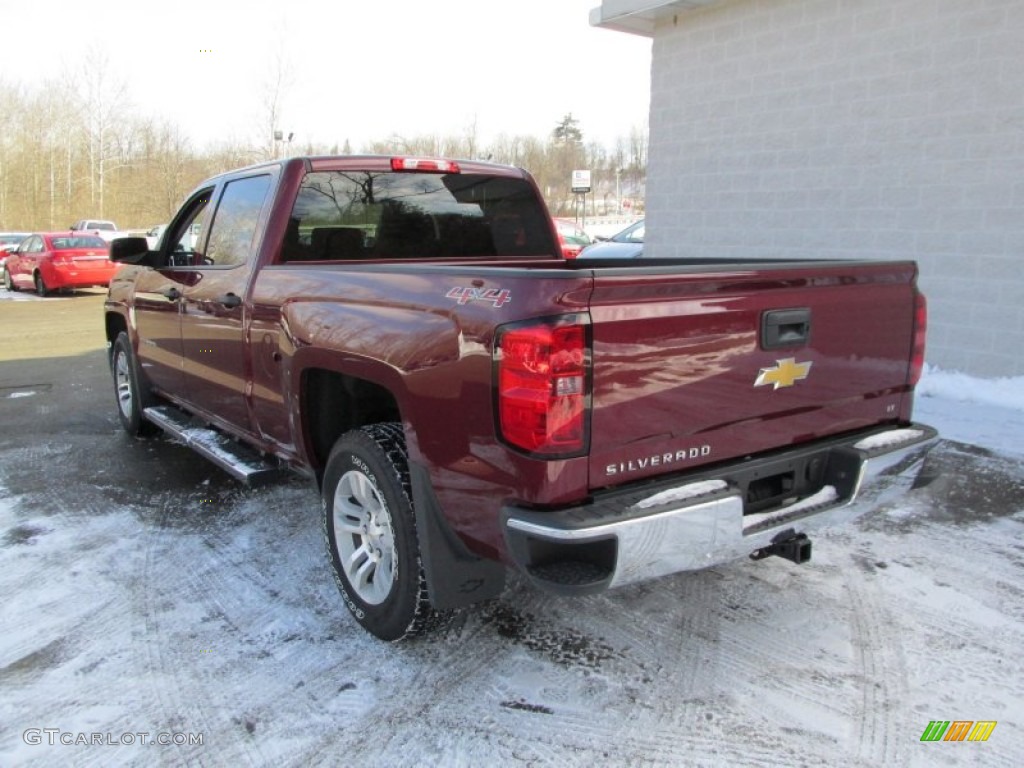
x: 881, y: 727
x: 170, y: 655
x: 633, y: 679
x: 258, y: 610
x: 775, y: 645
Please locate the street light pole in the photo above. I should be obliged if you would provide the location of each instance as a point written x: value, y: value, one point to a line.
x: 278, y: 138
x: 618, y: 197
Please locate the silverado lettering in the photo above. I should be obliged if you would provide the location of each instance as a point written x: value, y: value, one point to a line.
x: 351, y: 319
x: 659, y: 460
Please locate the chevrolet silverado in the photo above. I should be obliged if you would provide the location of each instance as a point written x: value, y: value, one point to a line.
x: 405, y: 332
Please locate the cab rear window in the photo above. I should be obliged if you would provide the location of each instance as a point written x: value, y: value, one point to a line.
x: 372, y: 215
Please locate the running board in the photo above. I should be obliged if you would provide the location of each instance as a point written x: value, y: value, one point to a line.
x: 238, y: 460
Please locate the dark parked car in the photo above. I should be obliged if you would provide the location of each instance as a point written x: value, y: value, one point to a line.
x: 627, y: 244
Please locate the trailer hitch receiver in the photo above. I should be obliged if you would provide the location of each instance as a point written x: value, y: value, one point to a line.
x: 790, y: 546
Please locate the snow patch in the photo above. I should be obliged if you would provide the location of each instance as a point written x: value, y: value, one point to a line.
x: 213, y: 442
x: 13, y: 395
x: 682, y: 493
x: 1006, y: 392
x: 985, y: 412
x: 886, y: 439
x: 826, y: 495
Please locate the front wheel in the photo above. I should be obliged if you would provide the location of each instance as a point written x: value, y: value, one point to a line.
x: 8, y: 283
x: 130, y: 388
x: 371, y: 535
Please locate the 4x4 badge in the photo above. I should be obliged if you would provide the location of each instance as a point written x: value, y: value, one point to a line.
x: 495, y: 296
x: 784, y: 374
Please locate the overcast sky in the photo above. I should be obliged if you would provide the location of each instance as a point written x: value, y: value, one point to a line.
x: 358, y: 70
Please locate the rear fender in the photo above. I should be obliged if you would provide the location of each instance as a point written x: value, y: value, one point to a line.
x: 398, y: 350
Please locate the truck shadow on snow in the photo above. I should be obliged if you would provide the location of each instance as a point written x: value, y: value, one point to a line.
x: 960, y: 484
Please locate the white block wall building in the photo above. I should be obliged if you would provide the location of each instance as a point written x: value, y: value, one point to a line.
x: 848, y: 128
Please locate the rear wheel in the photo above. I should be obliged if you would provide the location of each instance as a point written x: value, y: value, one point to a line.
x: 41, y: 288
x: 371, y: 534
x: 8, y: 283
x: 130, y: 388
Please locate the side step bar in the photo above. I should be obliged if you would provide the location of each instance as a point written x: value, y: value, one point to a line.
x: 239, y: 461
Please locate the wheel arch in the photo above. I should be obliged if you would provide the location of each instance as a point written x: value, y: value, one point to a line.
x: 115, y: 324
x: 333, y: 402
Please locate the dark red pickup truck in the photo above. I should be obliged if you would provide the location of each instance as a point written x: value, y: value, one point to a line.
x: 405, y: 332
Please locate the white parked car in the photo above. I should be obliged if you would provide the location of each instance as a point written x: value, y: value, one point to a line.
x: 106, y: 229
x: 154, y: 234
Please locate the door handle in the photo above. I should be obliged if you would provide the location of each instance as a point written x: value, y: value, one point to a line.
x: 785, y: 328
x: 171, y: 294
x: 229, y: 300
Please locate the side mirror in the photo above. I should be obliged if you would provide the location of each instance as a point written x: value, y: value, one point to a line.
x: 132, y: 250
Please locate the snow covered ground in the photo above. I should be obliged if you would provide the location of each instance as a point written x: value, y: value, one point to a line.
x: 985, y: 412
x: 133, y: 607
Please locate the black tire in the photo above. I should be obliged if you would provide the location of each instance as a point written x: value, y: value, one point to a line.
x: 130, y: 389
x: 41, y: 288
x: 8, y: 283
x: 366, y: 489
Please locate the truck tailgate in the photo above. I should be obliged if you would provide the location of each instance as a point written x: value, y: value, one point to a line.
x: 711, y: 364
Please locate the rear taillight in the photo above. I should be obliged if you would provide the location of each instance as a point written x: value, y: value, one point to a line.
x: 920, y: 331
x: 543, y: 382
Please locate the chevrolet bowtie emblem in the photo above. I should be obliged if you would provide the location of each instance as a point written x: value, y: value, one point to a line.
x: 784, y: 374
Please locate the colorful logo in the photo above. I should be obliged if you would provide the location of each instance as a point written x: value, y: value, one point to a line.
x: 784, y: 373
x: 958, y: 730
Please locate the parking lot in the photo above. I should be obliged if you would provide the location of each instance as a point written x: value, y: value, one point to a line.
x: 146, y: 594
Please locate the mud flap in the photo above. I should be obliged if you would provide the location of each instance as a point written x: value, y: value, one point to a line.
x: 455, y: 576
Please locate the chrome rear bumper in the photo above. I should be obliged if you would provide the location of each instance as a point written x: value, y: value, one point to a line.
x: 635, y: 534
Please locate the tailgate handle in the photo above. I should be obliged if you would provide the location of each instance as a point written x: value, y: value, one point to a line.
x: 785, y: 328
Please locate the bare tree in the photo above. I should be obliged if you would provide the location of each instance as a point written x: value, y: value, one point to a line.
x: 67, y: 150
x: 11, y: 107
x: 105, y: 98
x: 277, y: 81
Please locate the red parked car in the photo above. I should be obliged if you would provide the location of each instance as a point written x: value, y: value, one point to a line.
x: 571, y: 237
x: 47, y: 261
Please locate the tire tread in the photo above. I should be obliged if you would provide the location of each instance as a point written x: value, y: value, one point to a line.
x: 389, y: 439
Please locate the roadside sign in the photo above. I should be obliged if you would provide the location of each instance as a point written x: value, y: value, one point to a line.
x: 581, y: 181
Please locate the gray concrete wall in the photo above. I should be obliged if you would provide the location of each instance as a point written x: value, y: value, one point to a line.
x: 853, y: 128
